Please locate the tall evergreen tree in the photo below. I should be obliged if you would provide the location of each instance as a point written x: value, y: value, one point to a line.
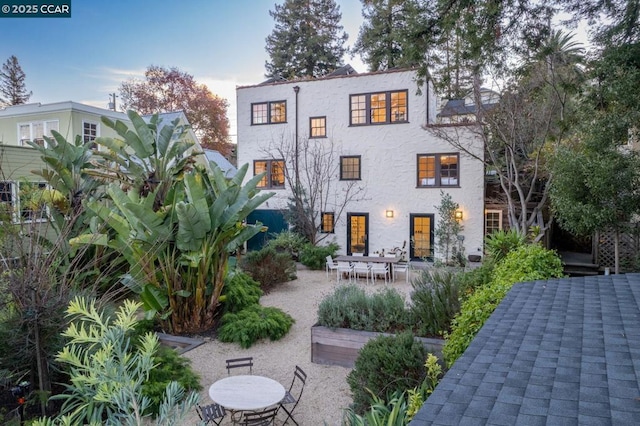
x: 12, y: 88
x: 307, y: 41
x: 383, y: 41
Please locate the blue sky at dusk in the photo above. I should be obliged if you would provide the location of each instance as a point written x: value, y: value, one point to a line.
x: 86, y: 57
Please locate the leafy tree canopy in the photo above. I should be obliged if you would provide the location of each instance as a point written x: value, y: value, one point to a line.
x: 169, y: 89
x: 307, y: 41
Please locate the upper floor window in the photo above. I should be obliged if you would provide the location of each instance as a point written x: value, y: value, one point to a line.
x: 350, y: 167
x: 89, y: 133
x: 492, y: 221
x: 327, y: 224
x: 274, y: 169
x: 435, y: 170
x: 379, y: 108
x: 36, y: 131
x: 318, y: 127
x: 269, y: 112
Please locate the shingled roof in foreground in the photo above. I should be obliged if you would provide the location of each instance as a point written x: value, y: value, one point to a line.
x: 557, y: 352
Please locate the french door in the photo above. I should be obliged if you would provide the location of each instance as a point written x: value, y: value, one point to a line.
x: 358, y: 233
x: 421, y: 232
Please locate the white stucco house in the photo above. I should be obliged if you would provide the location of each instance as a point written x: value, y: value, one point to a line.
x: 375, y: 128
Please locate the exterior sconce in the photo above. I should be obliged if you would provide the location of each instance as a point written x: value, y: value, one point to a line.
x: 458, y: 215
x: 389, y: 213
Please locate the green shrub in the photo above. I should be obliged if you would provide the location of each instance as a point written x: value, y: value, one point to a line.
x: 269, y: 267
x: 385, y: 365
x: 240, y: 291
x: 315, y: 257
x: 528, y: 262
x: 350, y: 307
x: 287, y: 242
x: 169, y: 366
x: 254, y: 323
x: 434, y: 301
x: 499, y: 243
x: 475, y: 278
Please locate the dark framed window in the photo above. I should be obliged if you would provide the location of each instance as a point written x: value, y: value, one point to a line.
x: 436, y: 170
x: 89, y: 133
x: 379, y: 108
x: 274, y: 177
x: 318, y: 127
x: 269, y: 112
x: 350, y: 167
x: 327, y: 222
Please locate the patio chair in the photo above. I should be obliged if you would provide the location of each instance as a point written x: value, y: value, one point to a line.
x: 260, y: 418
x: 212, y: 413
x: 344, y: 267
x: 404, y: 267
x: 296, y: 387
x: 360, y: 268
x: 379, y: 269
x: 330, y: 265
x: 239, y: 363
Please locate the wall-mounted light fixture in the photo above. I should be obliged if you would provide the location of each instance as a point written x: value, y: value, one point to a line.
x: 389, y: 213
x: 458, y: 215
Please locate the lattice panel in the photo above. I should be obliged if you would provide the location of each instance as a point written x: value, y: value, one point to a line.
x: 629, y: 249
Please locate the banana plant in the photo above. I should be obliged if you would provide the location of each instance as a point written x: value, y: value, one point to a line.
x: 178, y: 254
x: 148, y: 158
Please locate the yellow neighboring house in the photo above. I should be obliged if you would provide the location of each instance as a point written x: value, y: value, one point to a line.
x: 32, y: 122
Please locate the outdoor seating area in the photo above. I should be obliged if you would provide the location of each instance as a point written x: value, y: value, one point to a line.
x: 357, y: 266
x: 250, y: 399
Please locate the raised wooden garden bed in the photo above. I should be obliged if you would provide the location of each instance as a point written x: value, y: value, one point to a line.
x: 340, y: 346
x: 179, y: 343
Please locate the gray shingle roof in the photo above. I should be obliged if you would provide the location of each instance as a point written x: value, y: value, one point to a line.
x: 563, y: 351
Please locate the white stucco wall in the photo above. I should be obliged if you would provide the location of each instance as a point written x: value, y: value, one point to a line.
x: 388, y: 153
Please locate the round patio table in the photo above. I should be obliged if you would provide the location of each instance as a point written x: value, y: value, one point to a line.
x: 246, y: 393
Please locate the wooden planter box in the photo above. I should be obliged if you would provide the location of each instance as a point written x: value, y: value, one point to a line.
x: 340, y: 346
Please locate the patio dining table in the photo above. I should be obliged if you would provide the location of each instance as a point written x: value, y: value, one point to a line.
x: 373, y: 259
x: 246, y: 393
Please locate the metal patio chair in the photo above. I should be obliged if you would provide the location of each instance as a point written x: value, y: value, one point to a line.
x: 239, y: 363
x: 331, y: 265
x: 380, y: 269
x: 360, y: 268
x: 293, y: 395
x: 260, y: 418
x: 212, y: 413
x: 404, y: 267
x: 344, y: 268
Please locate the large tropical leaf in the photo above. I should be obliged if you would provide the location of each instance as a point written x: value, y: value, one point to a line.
x: 193, y: 226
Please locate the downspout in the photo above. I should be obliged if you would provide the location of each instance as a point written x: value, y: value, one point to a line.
x: 428, y: 112
x: 296, y: 154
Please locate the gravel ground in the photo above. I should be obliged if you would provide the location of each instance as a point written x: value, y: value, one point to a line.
x: 326, y: 392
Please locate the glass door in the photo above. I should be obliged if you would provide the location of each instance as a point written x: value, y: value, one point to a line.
x: 421, y: 230
x: 358, y: 233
